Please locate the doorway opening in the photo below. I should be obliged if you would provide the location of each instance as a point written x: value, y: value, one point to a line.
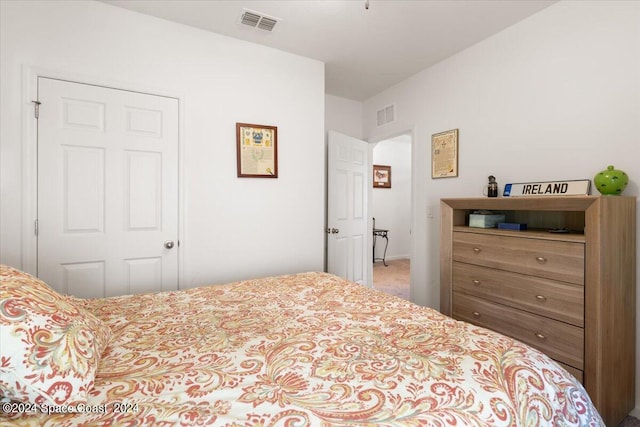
x: 391, y: 208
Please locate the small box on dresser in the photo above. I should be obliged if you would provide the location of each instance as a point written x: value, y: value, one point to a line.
x: 571, y: 294
x: 485, y: 220
x: 512, y: 226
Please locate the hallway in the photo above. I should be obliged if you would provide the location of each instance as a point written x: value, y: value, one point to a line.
x: 393, y: 279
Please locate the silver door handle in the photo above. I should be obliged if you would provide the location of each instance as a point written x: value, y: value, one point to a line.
x: 168, y: 244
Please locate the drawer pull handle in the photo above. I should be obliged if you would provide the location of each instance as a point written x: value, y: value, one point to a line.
x: 541, y: 259
x: 541, y: 298
x: 476, y: 314
x: 475, y: 282
x: 540, y: 336
x: 476, y: 250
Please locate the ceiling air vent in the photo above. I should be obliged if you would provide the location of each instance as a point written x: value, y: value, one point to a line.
x: 258, y: 20
x: 386, y: 115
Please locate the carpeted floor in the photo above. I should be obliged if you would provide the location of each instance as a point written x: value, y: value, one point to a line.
x: 630, y: 422
x: 394, y: 280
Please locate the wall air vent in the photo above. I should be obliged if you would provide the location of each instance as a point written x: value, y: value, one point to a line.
x: 386, y: 115
x: 258, y: 20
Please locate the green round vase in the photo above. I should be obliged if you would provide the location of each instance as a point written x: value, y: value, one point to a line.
x: 611, y: 181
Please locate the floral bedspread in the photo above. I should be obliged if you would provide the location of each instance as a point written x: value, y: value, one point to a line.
x: 313, y: 350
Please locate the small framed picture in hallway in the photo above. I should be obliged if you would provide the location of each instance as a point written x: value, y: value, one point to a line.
x: 381, y: 176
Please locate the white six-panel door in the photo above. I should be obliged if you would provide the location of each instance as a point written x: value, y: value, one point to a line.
x: 348, y: 253
x: 107, y: 190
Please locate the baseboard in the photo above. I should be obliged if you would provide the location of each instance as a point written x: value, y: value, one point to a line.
x: 635, y: 412
x: 394, y: 257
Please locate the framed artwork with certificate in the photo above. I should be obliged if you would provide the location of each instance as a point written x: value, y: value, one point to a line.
x: 444, y: 154
x: 257, y: 150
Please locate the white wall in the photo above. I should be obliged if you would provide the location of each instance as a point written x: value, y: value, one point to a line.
x: 556, y: 96
x: 235, y: 228
x: 343, y: 115
x: 391, y: 207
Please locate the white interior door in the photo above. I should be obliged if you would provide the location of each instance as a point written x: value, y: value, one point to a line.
x: 348, y: 253
x: 107, y: 190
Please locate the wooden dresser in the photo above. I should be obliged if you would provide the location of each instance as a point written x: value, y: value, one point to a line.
x: 571, y: 295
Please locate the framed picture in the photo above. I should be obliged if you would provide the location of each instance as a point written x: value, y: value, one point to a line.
x: 257, y: 150
x: 444, y: 154
x: 381, y: 176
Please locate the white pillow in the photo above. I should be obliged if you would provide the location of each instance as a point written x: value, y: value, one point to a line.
x: 49, y: 348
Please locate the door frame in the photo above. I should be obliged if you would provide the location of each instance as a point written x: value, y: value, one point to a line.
x: 30, y: 75
x: 412, y: 241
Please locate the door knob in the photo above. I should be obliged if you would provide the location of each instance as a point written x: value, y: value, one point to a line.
x: 168, y: 244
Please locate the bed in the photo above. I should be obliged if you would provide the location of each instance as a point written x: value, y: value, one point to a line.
x: 298, y: 350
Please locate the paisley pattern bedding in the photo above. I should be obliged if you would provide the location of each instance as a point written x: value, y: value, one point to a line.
x: 311, y: 350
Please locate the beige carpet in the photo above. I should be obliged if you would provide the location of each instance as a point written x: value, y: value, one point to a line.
x: 393, y: 279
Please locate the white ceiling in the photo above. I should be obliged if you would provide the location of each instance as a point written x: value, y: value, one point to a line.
x: 365, y: 51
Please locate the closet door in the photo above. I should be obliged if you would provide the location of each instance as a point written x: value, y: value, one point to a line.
x: 107, y: 190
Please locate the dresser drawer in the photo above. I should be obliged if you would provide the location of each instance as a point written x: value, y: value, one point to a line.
x: 557, y: 260
x: 578, y: 374
x: 560, y: 341
x: 558, y: 300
